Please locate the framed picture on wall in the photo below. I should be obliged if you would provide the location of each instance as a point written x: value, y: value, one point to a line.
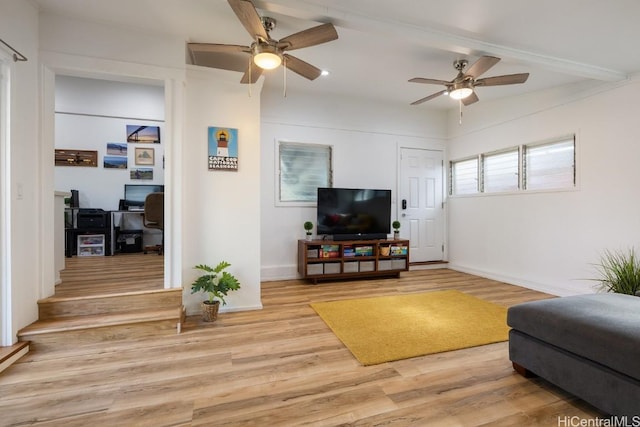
x: 143, y: 134
x: 144, y: 156
x: 222, y: 148
x: 115, y: 162
x: 141, y: 173
x: 116, y: 149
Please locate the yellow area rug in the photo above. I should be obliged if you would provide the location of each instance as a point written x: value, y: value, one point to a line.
x: 383, y: 329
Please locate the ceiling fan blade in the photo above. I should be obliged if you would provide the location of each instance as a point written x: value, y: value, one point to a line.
x: 427, y: 98
x: 222, y: 56
x: 310, y: 37
x: 470, y: 99
x: 213, y: 47
x: 429, y: 81
x: 509, y: 79
x: 481, y: 66
x: 254, y: 71
x: 298, y: 66
x: 248, y: 16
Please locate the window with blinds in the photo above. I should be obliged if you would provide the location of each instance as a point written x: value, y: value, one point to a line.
x: 302, y: 169
x: 550, y: 165
x: 500, y: 171
x: 464, y: 177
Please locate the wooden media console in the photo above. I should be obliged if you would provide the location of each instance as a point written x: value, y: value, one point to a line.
x: 329, y: 259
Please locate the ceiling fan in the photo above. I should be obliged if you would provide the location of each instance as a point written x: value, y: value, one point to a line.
x: 463, y: 86
x: 266, y: 53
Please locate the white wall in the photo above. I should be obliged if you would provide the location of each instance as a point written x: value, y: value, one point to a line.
x: 89, y: 114
x: 222, y: 208
x: 551, y: 240
x: 365, y: 135
x: 213, y: 215
x: 19, y: 23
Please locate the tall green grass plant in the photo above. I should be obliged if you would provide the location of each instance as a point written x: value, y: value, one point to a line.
x: 619, y: 272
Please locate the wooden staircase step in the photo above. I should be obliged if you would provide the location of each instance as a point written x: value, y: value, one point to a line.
x: 74, y: 323
x: 55, y: 307
x: 52, y: 333
x: 9, y: 355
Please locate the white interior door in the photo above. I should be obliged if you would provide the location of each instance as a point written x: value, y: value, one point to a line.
x: 420, y: 207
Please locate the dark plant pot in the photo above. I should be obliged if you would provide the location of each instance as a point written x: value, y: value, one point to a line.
x: 210, y: 311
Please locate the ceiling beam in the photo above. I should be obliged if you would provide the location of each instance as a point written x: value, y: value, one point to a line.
x: 433, y: 38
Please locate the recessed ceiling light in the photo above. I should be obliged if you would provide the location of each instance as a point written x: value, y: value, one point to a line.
x: 324, y: 73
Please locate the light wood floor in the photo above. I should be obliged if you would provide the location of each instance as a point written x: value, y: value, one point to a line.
x: 84, y: 276
x: 282, y: 366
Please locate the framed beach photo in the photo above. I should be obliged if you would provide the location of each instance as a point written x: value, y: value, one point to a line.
x: 144, y: 156
x: 115, y: 162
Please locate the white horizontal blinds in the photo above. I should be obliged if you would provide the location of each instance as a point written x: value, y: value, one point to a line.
x: 550, y: 165
x: 303, y: 168
x: 500, y: 171
x: 464, y: 176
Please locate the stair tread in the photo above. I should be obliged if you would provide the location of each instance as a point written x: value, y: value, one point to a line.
x: 71, y: 323
x: 54, y: 299
x: 8, y: 352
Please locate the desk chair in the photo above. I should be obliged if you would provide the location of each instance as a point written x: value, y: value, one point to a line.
x: 154, y: 218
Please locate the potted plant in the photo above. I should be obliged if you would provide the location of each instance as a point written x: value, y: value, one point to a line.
x: 216, y: 283
x: 308, y: 226
x: 619, y: 272
x: 396, y: 229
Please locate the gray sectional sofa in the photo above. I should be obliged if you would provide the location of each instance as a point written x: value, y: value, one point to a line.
x: 588, y: 345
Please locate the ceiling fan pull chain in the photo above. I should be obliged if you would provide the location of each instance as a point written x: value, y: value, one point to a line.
x: 460, y: 103
x: 284, y: 76
x: 251, y: 59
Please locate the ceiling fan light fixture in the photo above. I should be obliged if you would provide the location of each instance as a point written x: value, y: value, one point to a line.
x: 461, y: 90
x: 267, y: 57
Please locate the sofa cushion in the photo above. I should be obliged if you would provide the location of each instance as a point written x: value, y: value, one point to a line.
x: 604, y: 328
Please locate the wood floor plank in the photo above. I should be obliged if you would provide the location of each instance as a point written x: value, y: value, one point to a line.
x: 280, y: 366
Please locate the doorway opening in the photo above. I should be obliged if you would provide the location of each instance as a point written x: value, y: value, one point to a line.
x: 123, y: 125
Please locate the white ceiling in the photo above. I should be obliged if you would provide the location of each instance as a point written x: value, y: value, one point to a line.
x: 383, y: 43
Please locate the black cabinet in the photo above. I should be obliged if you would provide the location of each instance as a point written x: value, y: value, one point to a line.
x: 86, y: 221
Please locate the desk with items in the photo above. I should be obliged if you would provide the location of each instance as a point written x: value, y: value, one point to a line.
x: 96, y: 232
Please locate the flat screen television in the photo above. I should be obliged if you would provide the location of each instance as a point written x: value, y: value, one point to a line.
x: 354, y: 213
x: 134, y: 194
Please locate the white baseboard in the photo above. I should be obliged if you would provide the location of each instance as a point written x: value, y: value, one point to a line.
x: 279, y: 272
x: 558, y: 290
x: 193, y: 311
x: 428, y: 266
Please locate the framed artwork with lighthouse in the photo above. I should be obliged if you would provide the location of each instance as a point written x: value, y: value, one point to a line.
x: 223, y: 148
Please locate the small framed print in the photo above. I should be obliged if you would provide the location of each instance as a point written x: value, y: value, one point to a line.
x: 141, y: 173
x: 144, y: 156
x: 223, y: 148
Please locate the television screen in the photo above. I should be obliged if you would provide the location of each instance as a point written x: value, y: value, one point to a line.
x: 349, y: 213
x: 134, y: 194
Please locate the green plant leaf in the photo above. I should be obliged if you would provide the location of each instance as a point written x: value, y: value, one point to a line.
x: 619, y: 272
x: 215, y: 282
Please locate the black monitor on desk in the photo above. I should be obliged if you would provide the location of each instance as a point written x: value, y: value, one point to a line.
x: 135, y: 194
